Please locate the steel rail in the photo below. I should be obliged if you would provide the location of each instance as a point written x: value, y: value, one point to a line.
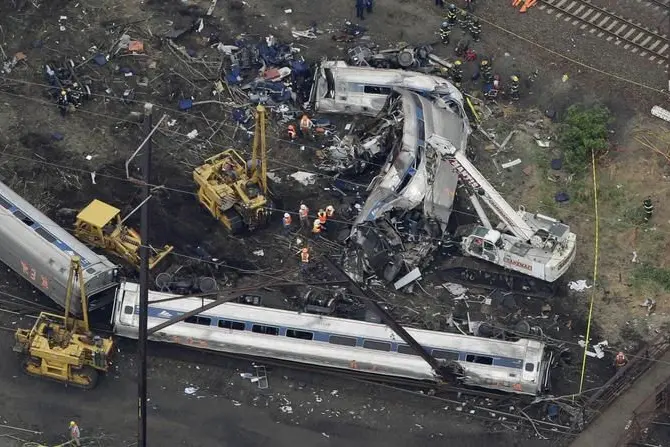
x: 612, y: 24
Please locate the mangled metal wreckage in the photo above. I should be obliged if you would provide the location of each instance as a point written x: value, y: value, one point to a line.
x: 410, y: 201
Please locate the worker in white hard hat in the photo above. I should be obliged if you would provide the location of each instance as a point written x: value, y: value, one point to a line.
x: 304, y: 216
x: 74, y: 434
x: 286, y: 222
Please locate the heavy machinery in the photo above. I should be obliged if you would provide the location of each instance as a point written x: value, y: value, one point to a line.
x: 537, y: 246
x: 236, y: 192
x: 100, y: 225
x: 61, y: 347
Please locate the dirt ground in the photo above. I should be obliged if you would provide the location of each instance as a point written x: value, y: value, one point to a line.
x: 49, y: 159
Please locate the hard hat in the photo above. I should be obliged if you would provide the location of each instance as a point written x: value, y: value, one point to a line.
x: 452, y: 7
x: 457, y: 63
x: 330, y: 208
x: 321, y: 210
x: 484, y: 62
x: 287, y: 215
x: 72, y: 424
x: 357, y: 206
x: 515, y: 79
x: 63, y: 92
x: 304, y: 250
x: 303, y: 207
x: 445, y: 24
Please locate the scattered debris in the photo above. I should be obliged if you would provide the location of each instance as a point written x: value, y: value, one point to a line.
x: 259, y: 253
x: 190, y: 390
x: 304, y: 178
x: 579, y: 285
x: 512, y: 163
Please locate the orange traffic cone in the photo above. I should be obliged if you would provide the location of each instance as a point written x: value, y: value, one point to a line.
x: 527, y: 4
x: 516, y: 3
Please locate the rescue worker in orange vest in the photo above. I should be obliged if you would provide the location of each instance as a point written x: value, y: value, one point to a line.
x: 323, y: 218
x: 316, y: 226
x: 287, y: 221
x: 620, y: 360
x: 304, y: 259
x: 292, y: 134
x: 306, y: 125
x: 304, y: 216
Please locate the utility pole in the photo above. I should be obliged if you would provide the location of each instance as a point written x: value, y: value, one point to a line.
x: 144, y: 283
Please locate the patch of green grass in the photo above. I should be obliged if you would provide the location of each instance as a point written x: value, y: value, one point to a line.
x: 646, y: 274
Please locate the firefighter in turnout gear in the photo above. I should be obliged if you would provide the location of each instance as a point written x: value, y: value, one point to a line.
x: 451, y: 16
x: 457, y: 73
x: 63, y: 102
x: 303, y: 212
x: 316, y: 227
x: 486, y: 71
x: 648, y: 209
x: 445, y: 32
x: 464, y: 20
x: 287, y: 221
x: 475, y: 29
x: 514, y: 88
x: 323, y: 218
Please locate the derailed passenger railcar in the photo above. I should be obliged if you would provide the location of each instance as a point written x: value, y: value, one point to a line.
x: 520, y: 367
x: 38, y: 249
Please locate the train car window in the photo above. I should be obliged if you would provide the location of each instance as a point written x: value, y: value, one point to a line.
x: 303, y: 335
x: 344, y: 341
x: 377, y: 345
x: 46, y: 236
x: 445, y: 355
x: 481, y: 359
x: 406, y: 349
x: 91, y: 270
x: 203, y: 321
x: 5, y: 203
x: 374, y: 90
x: 530, y: 367
x: 237, y: 325
x: 267, y: 330
x: 23, y: 218
x: 508, y: 362
x: 128, y: 310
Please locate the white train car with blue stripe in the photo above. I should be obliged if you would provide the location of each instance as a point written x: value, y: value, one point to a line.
x: 38, y: 249
x: 520, y: 367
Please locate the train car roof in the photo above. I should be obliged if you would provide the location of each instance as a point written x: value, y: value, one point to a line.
x: 344, y: 327
x: 64, y: 242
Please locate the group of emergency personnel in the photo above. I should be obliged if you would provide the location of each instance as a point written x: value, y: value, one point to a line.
x: 318, y: 225
x: 69, y: 98
x: 466, y: 22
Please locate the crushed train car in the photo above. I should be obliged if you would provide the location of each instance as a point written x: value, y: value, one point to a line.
x: 340, y: 88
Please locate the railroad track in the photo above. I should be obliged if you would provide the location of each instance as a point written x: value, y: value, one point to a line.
x: 634, y: 37
x: 656, y: 4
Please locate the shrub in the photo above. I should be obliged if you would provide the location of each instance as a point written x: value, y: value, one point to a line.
x: 583, y: 130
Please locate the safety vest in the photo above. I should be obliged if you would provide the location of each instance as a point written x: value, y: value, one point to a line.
x: 303, y: 213
x: 322, y: 216
x: 304, y: 257
x: 74, y: 431
x: 316, y: 228
x: 287, y: 221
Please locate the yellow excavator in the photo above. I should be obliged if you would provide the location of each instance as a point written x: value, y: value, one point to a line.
x: 236, y: 192
x: 61, y: 347
x: 100, y: 225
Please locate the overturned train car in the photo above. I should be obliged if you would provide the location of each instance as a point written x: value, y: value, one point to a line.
x: 520, y: 367
x: 40, y: 251
x: 411, y: 199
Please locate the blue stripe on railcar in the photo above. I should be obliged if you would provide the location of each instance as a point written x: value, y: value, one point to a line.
x: 326, y: 337
x: 62, y: 246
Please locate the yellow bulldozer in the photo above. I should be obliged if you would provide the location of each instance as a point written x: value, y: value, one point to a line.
x: 100, y: 225
x: 236, y: 192
x: 61, y: 347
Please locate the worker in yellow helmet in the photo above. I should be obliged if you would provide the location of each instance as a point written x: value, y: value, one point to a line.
x: 74, y: 434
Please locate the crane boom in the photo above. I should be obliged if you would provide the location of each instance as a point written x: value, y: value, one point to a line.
x: 475, y: 180
x: 259, y: 153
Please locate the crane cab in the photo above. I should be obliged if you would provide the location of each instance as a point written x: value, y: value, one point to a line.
x: 484, y: 243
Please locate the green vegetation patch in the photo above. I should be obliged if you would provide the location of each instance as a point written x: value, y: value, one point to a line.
x: 584, y: 129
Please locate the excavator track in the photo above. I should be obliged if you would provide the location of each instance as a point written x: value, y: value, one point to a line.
x: 475, y: 273
x: 85, y: 378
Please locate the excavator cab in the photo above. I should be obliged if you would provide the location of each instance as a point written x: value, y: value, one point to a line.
x: 100, y: 225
